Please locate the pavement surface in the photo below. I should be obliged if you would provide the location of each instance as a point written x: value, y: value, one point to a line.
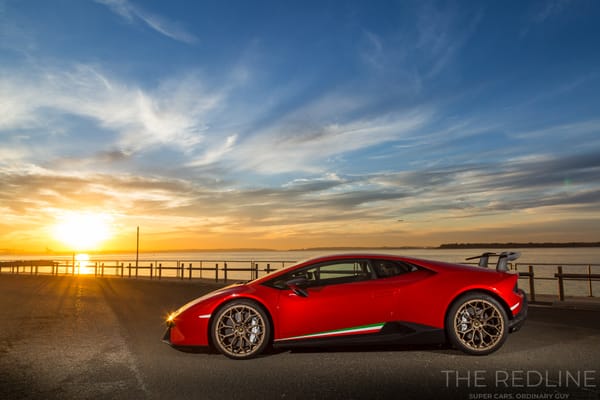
x: 99, y: 338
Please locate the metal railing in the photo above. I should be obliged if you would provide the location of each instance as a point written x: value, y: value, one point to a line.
x: 581, y: 279
x: 560, y: 279
x: 154, y: 269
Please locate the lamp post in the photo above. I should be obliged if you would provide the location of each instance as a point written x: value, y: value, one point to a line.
x: 137, y: 250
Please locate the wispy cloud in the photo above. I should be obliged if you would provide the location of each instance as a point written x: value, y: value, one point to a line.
x: 307, y: 145
x: 171, y: 115
x: 441, y: 33
x: 549, y: 9
x: 131, y: 13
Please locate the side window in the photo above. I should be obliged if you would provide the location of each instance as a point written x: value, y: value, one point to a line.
x: 330, y: 274
x: 387, y: 268
x: 343, y: 272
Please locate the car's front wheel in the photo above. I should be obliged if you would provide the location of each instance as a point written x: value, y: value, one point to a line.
x: 241, y: 329
x: 477, y: 324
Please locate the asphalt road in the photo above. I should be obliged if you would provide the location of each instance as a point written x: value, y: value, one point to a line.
x: 89, y: 338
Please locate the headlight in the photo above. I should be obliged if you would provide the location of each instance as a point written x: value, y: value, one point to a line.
x: 171, y: 319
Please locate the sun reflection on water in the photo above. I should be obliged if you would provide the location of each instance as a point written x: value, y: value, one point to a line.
x: 83, y: 264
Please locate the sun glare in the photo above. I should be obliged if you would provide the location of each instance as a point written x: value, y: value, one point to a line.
x: 82, y: 231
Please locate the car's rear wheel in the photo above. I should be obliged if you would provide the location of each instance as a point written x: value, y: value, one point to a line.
x: 241, y: 329
x: 477, y: 324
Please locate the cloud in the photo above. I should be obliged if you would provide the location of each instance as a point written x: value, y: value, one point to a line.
x: 132, y: 13
x: 299, y: 144
x: 213, y: 155
x: 441, y: 33
x: 549, y: 9
x: 494, y: 194
x: 172, y: 115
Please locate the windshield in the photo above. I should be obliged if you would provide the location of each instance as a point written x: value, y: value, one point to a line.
x: 277, y: 271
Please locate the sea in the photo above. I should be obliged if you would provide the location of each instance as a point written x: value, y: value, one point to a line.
x: 544, y: 261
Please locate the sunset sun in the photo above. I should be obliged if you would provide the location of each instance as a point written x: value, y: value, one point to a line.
x: 82, y: 231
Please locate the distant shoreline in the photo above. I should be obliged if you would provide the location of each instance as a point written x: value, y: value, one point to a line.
x: 517, y: 245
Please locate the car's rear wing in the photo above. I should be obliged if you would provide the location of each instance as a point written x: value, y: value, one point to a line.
x: 503, y: 259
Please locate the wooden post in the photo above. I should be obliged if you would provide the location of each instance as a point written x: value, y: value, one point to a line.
x: 225, y: 272
x: 561, y: 286
x: 531, y: 284
x: 590, y: 281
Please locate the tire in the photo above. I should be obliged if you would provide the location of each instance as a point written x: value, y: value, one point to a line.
x: 241, y: 330
x: 477, y: 324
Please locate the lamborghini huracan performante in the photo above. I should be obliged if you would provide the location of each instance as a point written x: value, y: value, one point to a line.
x: 357, y: 299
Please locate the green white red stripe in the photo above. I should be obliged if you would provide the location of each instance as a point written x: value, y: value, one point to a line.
x: 373, y: 328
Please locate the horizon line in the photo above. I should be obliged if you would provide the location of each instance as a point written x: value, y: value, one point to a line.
x: 444, y: 246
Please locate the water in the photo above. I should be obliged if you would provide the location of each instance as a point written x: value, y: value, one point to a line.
x: 545, y: 262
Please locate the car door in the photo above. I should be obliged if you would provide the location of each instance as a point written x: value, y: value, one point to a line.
x: 338, y: 302
x: 398, y: 290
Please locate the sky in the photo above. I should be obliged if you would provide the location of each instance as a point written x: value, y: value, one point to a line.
x: 285, y: 125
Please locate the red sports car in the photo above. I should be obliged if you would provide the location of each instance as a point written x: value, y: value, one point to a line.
x: 357, y: 299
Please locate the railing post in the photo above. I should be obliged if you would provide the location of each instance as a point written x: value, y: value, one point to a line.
x: 182, y: 276
x: 190, y: 272
x: 531, y: 284
x: 268, y: 268
x: 225, y: 271
x: 561, y: 286
x: 255, y: 271
x: 217, y: 272
x: 151, y: 275
x: 129, y: 267
x: 590, y: 280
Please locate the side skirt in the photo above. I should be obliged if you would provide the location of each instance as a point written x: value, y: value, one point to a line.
x: 399, y: 333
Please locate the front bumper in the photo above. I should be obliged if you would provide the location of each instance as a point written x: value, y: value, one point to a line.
x: 167, y: 336
x: 191, y: 330
x: 518, y: 320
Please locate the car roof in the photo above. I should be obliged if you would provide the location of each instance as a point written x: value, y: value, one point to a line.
x: 436, y: 266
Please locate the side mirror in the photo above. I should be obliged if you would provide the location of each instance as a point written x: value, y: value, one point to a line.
x: 298, y: 286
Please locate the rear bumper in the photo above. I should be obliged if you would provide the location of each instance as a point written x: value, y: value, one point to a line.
x: 518, y: 320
